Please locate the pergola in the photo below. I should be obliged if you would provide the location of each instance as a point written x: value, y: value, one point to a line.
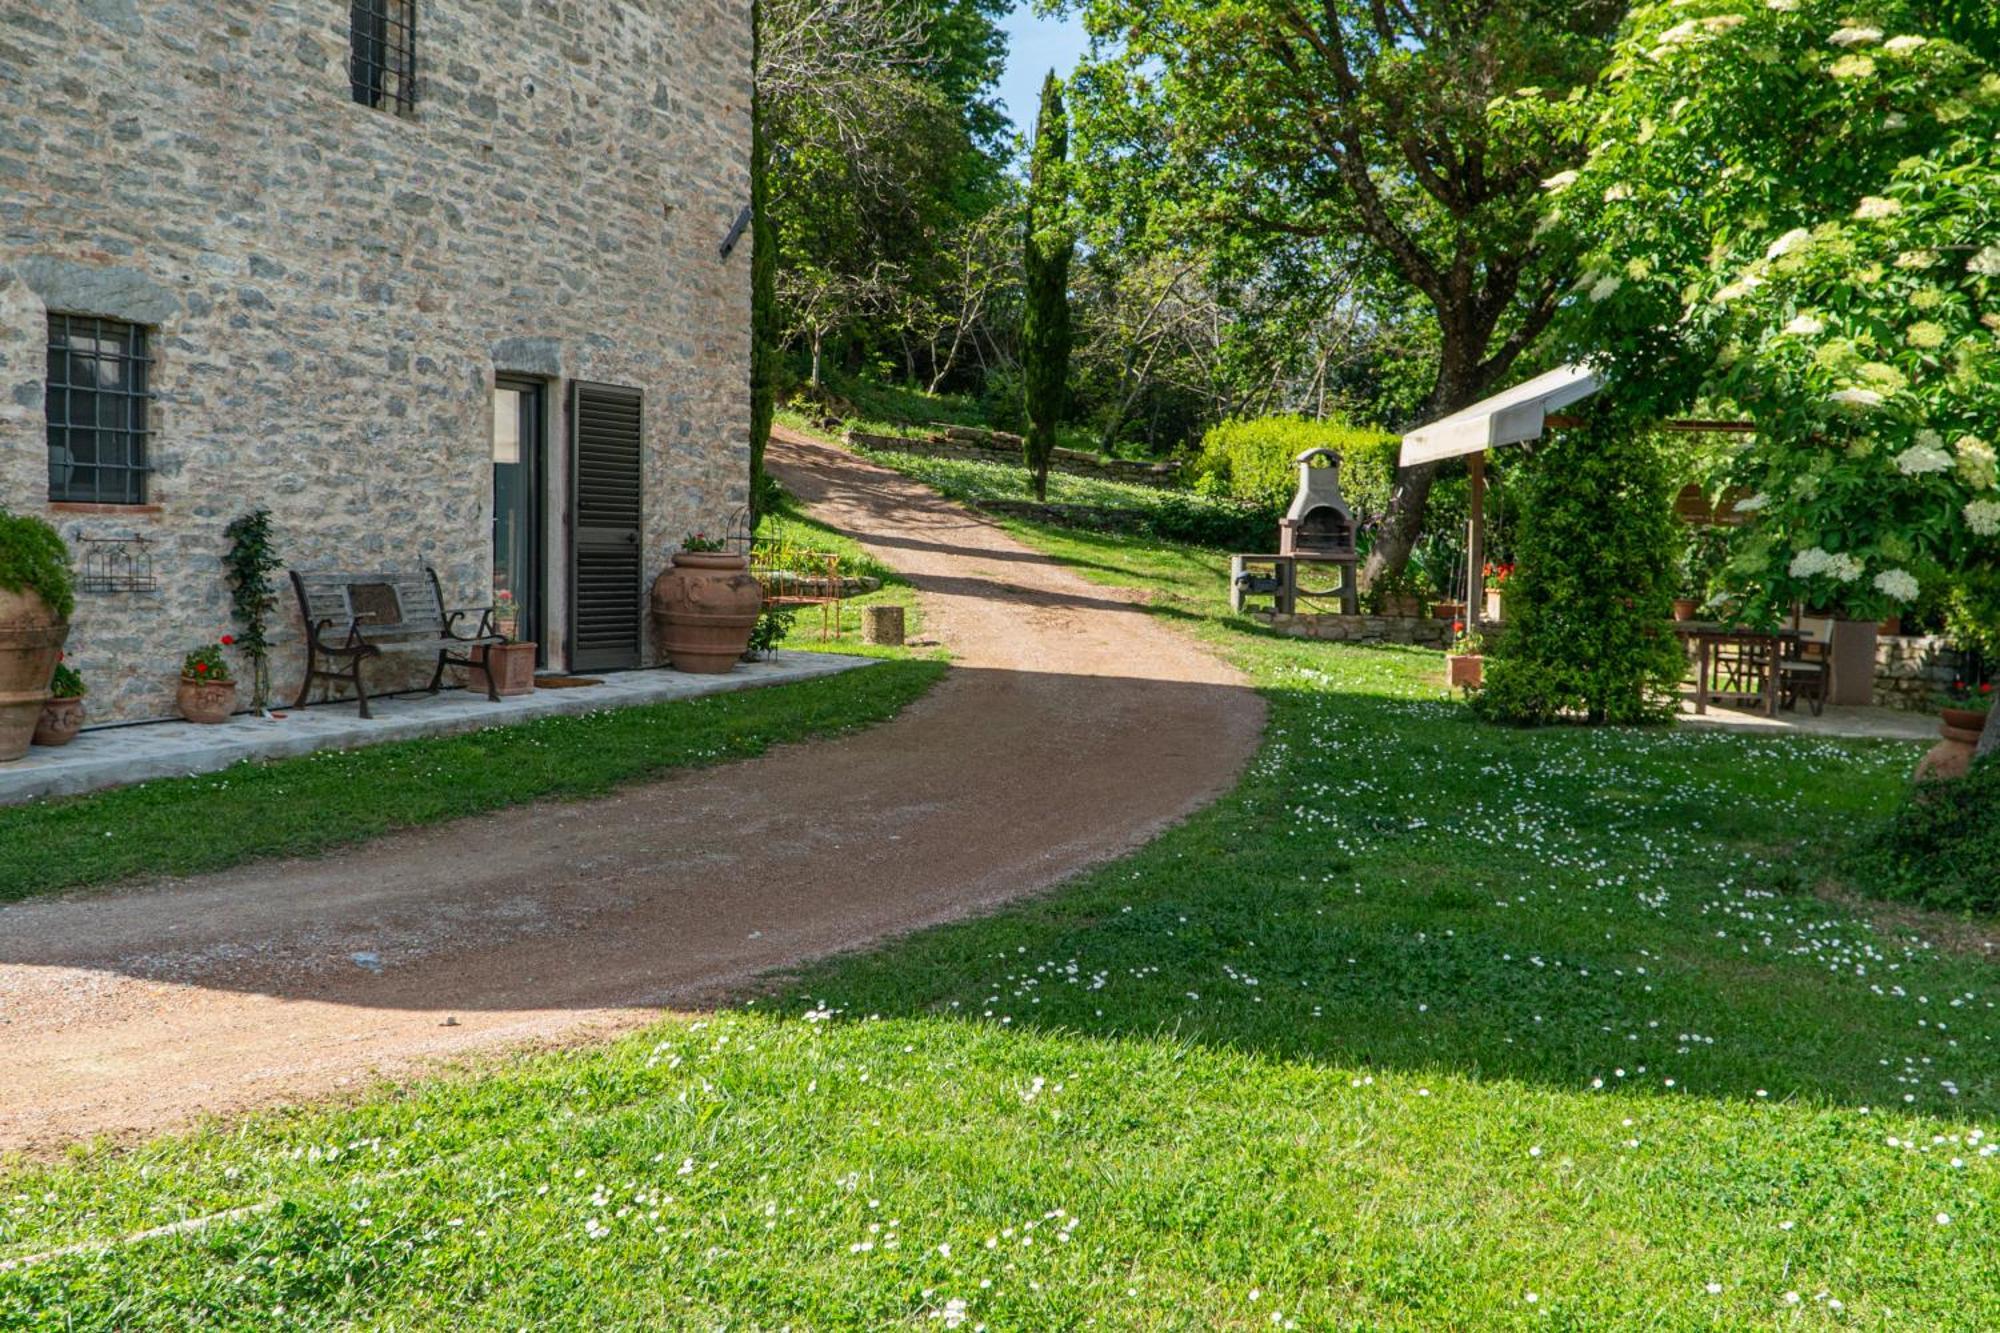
x: 1518, y: 415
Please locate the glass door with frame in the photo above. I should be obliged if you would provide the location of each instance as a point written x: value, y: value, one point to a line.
x: 517, y: 511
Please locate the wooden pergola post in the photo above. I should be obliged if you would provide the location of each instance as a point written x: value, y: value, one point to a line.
x: 1475, y: 546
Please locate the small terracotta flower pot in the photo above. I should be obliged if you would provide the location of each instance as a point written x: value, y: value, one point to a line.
x: 1447, y: 610
x: 512, y: 666
x: 207, y: 701
x: 704, y: 610
x: 61, y: 720
x: 1686, y: 608
x: 1464, y: 671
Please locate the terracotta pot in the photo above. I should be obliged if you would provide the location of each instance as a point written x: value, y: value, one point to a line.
x: 1686, y: 608
x: 206, y: 701
x: 1447, y: 611
x: 1493, y: 605
x: 1952, y: 756
x: 61, y: 720
x: 31, y: 640
x: 704, y: 609
x: 1464, y: 671
x: 512, y: 666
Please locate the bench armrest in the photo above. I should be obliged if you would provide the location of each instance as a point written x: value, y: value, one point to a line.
x: 486, y: 630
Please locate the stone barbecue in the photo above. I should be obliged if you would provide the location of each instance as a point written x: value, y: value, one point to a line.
x: 1319, y: 524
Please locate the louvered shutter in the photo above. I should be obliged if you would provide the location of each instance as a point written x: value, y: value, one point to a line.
x: 607, y: 445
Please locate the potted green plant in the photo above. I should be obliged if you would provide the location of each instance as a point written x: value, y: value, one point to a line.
x: 36, y: 598
x: 1465, y: 661
x: 705, y: 606
x: 62, y: 715
x: 510, y: 664
x: 208, y: 689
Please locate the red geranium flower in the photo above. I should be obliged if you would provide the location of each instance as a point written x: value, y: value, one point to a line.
x: 1987, y: 688
x: 228, y: 639
x: 201, y: 668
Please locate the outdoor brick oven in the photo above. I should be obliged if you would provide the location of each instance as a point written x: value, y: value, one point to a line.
x: 1319, y: 525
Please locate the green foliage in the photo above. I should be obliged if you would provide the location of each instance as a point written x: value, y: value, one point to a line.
x: 1588, y: 607
x: 207, y: 665
x: 1836, y: 286
x: 1048, y: 246
x: 67, y: 683
x: 34, y: 559
x: 1256, y: 461
x: 250, y: 562
x: 1942, y: 850
x: 771, y: 629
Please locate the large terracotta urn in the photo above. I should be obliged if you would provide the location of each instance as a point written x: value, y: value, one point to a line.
x: 1951, y: 758
x: 704, y: 608
x: 31, y: 640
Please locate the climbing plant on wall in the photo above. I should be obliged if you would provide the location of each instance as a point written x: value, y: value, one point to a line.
x: 250, y: 561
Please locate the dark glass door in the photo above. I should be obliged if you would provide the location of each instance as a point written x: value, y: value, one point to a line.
x: 517, y: 511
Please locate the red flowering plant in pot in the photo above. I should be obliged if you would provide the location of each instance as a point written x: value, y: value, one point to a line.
x: 1496, y: 577
x: 208, y: 688
x: 62, y: 715
x: 1465, y: 661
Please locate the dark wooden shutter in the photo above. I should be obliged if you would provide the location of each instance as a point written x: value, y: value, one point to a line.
x: 607, y: 448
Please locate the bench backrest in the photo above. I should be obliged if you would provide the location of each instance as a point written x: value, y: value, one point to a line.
x: 403, y: 604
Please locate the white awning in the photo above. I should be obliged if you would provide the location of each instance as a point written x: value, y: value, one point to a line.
x: 1518, y: 415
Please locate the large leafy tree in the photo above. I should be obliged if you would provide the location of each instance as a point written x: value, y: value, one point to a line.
x: 1048, y: 245
x: 1791, y: 212
x: 1364, y: 118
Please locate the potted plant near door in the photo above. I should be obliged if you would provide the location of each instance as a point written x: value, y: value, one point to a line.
x: 1496, y: 587
x: 705, y: 607
x: 1465, y: 663
x: 36, y: 598
x: 208, y: 690
x: 62, y: 715
x: 510, y: 664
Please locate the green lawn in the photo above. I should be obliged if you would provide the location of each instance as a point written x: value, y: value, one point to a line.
x: 1426, y: 1026
x: 293, y: 807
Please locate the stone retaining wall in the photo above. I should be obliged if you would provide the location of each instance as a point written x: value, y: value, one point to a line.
x: 1421, y: 632
x: 1911, y: 670
x: 979, y: 446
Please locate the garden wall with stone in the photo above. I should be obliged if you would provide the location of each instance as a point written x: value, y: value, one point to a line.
x: 1415, y: 631
x: 1910, y: 671
x: 330, y: 289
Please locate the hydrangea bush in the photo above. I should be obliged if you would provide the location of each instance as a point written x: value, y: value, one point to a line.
x: 1791, y: 212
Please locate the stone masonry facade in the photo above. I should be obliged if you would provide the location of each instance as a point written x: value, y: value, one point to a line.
x: 329, y: 289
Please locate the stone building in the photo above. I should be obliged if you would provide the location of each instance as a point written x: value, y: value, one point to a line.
x: 369, y: 263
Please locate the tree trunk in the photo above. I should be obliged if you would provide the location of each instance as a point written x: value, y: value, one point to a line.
x: 1461, y: 381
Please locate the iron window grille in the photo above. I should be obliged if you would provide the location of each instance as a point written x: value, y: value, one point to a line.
x: 99, y: 406
x: 382, y: 53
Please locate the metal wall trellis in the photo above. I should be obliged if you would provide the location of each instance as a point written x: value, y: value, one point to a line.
x: 117, y: 564
x: 98, y: 406
x: 382, y: 53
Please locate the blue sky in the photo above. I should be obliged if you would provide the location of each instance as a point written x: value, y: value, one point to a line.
x: 1034, y: 47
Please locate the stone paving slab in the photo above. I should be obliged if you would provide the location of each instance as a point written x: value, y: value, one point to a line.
x: 118, y: 756
x: 1881, y: 724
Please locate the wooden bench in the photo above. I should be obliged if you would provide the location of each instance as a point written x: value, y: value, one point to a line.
x: 351, y: 617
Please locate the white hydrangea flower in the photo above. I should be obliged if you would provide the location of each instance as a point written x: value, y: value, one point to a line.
x: 1856, y: 398
x: 1874, y: 208
x: 1795, y: 239
x: 1897, y: 583
x: 1805, y: 326
x: 1905, y: 45
x: 1926, y: 335
x: 1743, y: 286
x: 1783, y: 6
x: 1917, y: 259
x: 1844, y: 567
x: 1977, y: 462
x: 1856, y: 36
x: 1606, y: 287
x: 1617, y: 192
x: 1562, y: 180
x: 1921, y: 459
x: 1811, y: 563
x: 1753, y: 503
x: 1983, y: 517
x: 1986, y: 263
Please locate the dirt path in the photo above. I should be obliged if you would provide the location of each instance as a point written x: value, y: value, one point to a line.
x: 1072, y: 728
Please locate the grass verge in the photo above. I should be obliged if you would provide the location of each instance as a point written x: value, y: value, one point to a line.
x: 1427, y: 1025
x: 294, y: 807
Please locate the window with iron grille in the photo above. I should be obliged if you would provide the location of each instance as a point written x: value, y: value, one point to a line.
x: 382, y: 53
x: 98, y: 402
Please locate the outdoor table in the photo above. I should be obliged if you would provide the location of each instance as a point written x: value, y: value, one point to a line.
x: 1710, y: 639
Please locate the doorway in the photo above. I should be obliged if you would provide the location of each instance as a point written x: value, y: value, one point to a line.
x: 520, y: 553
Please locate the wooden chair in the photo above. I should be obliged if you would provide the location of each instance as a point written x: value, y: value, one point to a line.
x: 1805, y: 663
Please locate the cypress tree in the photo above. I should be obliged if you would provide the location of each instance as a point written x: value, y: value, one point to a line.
x: 1045, y: 322
x: 764, y: 331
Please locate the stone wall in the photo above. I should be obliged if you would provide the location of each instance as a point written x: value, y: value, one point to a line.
x: 1911, y: 670
x: 331, y: 288
x: 1415, y: 631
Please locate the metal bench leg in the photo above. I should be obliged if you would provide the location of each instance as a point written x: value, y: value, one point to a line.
x: 360, y: 691
x: 306, y: 685
x: 437, y: 677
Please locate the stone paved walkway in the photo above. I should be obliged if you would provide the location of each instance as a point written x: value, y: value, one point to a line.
x: 1873, y: 724
x: 117, y: 756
